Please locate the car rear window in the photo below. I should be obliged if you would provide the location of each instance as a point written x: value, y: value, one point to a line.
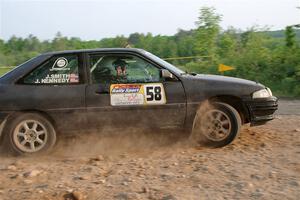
x: 61, y: 69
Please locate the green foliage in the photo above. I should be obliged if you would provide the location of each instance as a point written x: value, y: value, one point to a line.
x: 4, y: 70
x: 281, y: 34
x: 270, y: 57
x: 290, y: 36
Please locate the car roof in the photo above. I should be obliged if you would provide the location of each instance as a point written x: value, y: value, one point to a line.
x: 96, y: 50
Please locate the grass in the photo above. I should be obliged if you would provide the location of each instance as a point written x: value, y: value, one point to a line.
x: 3, y: 70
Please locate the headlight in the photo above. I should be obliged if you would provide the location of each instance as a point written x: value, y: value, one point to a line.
x: 270, y: 92
x: 263, y: 93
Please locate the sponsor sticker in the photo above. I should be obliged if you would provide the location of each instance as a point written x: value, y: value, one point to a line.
x: 60, y: 64
x: 137, y: 94
x: 74, y: 78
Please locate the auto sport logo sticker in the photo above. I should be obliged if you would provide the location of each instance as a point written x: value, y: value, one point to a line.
x: 137, y: 94
x: 126, y: 88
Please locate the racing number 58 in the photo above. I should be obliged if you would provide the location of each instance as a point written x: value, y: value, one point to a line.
x: 153, y: 93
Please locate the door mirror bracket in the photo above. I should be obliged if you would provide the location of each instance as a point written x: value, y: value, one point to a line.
x: 167, y: 74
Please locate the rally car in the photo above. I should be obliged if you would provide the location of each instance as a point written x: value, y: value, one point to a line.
x: 58, y: 92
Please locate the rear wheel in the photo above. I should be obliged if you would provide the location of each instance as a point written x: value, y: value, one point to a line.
x: 30, y: 133
x: 216, y: 125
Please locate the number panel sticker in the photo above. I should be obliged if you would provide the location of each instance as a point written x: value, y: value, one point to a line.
x: 137, y: 94
x: 154, y: 93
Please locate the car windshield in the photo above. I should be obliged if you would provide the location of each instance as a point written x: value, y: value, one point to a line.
x: 164, y: 63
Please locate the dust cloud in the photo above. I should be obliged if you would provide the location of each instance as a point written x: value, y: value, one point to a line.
x: 116, y: 141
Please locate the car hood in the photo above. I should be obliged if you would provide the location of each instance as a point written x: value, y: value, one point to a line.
x: 226, y: 79
x: 213, y: 85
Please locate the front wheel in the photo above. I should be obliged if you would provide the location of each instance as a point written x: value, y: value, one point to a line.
x: 215, y: 125
x: 29, y: 133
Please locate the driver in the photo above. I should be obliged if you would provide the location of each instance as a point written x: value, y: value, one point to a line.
x: 120, y: 67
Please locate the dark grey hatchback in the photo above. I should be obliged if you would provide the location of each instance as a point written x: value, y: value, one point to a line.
x: 70, y: 90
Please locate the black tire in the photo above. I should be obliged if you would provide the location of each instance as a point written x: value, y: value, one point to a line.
x: 215, y: 125
x: 30, y: 128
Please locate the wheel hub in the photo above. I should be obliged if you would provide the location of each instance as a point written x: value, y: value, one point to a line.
x: 217, y: 123
x: 30, y: 136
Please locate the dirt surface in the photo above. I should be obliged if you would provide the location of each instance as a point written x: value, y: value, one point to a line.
x: 264, y: 163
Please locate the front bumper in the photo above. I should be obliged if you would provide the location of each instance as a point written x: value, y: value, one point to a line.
x: 261, y: 110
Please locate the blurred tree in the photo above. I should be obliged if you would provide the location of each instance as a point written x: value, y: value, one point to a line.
x: 134, y: 39
x: 59, y: 42
x: 32, y: 43
x: 185, y: 43
x: 228, y: 44
x: 290, y: 36
x: 14, y: 44
x: 208, y: 29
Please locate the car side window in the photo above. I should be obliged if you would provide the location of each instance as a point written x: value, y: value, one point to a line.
x: 113, y: 69
x: 61, y: 69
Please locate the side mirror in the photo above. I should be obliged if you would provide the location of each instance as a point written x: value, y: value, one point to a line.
x: 166, y: 74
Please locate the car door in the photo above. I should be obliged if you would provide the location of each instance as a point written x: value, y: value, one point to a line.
x: 137, y: 96
x: 57, y: 88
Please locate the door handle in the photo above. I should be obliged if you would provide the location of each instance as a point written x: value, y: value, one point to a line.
x: 103, y: 89
x: 101, y: 92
